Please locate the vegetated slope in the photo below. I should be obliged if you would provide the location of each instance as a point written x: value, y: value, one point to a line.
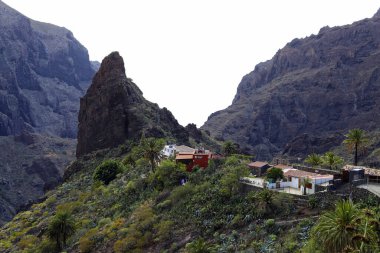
x: 114, y: 111
x: 145, y: 211
x: 317, y: 87
x: 44, y: 71
x: 40, y: 161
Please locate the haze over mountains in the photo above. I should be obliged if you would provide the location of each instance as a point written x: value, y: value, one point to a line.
x: 313, y: 90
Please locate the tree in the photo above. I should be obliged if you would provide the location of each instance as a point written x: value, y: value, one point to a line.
x: 229, y: 148
x: 356, y: 140
x: 331, y: 160
x: 305, y: 182
x: 107, y: 171
x: 61, y: 228
x: 273, y: 174
x: 345, y: 229
x: 314, y: 160
x: 151, y: 150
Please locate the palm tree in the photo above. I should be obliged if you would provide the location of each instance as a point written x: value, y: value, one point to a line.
x: 356, y: 140
x: 331, y: 160
x: 229, y: 148
x: 151, y: 150
x: 346, y: 229
x: 305, y: 182
x: 313, y: 159
x: 335, y: 229
x: 61, y: 228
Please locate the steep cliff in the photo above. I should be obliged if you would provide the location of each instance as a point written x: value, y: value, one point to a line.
x: 319, y: 87
x: 114, y: 111
x: 44, y: 71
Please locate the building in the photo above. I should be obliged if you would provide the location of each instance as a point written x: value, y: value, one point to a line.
x: 353, y: 174
x: 198, y: 158
x: 169, y: 150
x: 173, y: 149
x: 296, y: 178
x: 258, y: 168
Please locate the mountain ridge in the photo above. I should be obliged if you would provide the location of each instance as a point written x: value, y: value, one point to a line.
x: 321, y: 85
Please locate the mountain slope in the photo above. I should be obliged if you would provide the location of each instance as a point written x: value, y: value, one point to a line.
x: 320, y: 86
x: 44, y: 71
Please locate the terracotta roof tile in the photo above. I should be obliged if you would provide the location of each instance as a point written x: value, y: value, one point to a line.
x: 257, y: 164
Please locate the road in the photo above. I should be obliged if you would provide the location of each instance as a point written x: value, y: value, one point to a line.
x: 374, y: 188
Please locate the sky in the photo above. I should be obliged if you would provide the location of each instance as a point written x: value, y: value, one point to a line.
x: 190, y: 55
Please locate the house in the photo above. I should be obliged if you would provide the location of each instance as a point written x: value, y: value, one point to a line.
x: 353, y: 173
x: 173, y: 149
x: 169, y: 150
x: 258, y: 168
x: 295, y: 179
x: 198, y: 158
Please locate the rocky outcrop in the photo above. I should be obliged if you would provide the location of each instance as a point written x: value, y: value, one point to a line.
x: 321, y: 85
x: 44, y: 71
x: 114, y: 111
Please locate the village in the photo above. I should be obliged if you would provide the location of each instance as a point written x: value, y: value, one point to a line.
x: 293, y: 179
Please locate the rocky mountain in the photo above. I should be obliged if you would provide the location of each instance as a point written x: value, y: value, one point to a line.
x: 44, y: 71
x: 114, y: 111
x: 313, y: 90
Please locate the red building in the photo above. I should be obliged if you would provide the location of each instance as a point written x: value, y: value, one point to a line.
x: 192, y: 160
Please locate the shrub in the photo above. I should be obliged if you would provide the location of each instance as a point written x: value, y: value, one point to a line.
x: 27, y: 241
x: 107, y: 171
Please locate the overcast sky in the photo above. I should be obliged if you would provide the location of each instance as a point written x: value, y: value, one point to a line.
x: 190, y: 56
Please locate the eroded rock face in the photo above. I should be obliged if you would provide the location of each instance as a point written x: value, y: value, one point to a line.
x: 114, y: 111
x: 44, y: 71
x: 320, y: 86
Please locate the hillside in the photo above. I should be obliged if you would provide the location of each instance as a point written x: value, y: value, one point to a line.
x: 41, y: 160
x: 315, y: 88
x: 146, y: 211
x: 44, y: 71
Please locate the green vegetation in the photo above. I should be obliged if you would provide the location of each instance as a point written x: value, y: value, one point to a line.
x: 142, y: 210
x: 345, y: 229
x: 61, y: 228
x: 151, y: 150
x: 274, y: 174
x: 229, y: 148
x: 314, y: 160
x: 107, y: 171
x: 356, y: 140
x: 331, y: 160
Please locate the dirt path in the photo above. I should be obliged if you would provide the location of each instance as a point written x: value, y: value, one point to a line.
x: 289, y: 222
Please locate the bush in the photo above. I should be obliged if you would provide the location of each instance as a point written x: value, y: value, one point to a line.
x: 107, y: 171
